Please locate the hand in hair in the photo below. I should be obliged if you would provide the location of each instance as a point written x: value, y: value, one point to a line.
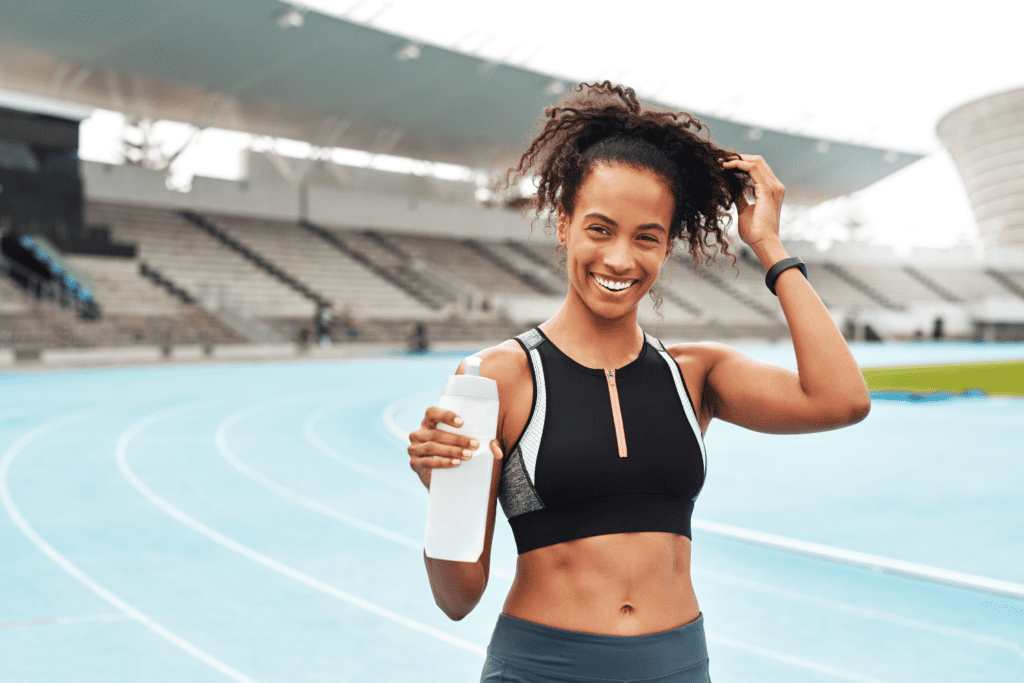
x: 759, y: 222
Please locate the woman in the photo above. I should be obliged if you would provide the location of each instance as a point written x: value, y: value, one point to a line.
x: 602, y: 425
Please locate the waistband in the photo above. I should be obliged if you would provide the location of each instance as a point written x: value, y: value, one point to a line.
x: 558, y: 651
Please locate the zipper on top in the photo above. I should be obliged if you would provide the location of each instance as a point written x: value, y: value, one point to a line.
x: 613, y: 393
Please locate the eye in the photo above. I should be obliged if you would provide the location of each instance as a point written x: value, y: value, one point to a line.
x: 600, y: 229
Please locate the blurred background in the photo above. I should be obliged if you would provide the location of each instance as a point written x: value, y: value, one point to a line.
x: 243, y: 243
x: 183, y: 178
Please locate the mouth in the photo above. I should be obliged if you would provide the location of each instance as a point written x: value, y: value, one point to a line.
x: 613, y: 285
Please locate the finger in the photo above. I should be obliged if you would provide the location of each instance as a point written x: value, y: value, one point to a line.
x: 438, y: 416
x: 435, y: 449
x: 435, y: 463
x: 441, y: 436
x: 496, y: 449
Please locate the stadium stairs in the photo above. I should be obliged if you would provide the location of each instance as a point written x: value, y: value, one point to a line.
x: 406, y: 268
x: 526, y: 278
x: 725, y: 287
x: 1005, y: 281
x: 862, y: 286
x: 162, y: 281
x: 396, y: 276
x: 227, y: 240
x: 932, y: 285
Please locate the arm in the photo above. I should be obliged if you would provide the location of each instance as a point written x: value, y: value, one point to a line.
x: 458, y: 586
x: 828, y: 390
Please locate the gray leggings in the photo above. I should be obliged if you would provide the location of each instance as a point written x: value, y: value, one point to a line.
x: 525, y: 652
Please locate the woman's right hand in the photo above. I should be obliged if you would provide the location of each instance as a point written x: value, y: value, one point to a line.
x: 431, y: 448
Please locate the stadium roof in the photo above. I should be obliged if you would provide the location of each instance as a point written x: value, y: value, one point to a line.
x: 265, y: 67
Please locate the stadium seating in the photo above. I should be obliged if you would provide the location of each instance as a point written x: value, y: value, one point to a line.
x: 345, y: 283
x: 116, y: 283
x: 199, y: 264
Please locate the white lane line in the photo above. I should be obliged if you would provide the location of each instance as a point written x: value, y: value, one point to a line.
x: 220, y: 438
x: 855, y: 558
x: 388, y: 416
x: 351, y: 463
x: 68, y: 566
x: 793, y: 661
x: 865, y: 612
x: 264, y: 560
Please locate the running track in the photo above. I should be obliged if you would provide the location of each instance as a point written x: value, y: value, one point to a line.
x: 260, y: 523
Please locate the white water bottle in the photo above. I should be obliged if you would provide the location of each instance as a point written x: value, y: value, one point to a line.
x: 457, y: 512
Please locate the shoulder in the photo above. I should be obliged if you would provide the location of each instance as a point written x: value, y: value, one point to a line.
x: 701, y: 354
x: 506, y: 362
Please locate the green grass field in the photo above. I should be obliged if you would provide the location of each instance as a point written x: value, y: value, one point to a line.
x: 1004, y: 378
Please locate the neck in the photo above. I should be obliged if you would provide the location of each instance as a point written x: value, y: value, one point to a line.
x: 592, y: 341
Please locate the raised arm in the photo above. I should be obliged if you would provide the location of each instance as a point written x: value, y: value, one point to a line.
x: 828, y: 390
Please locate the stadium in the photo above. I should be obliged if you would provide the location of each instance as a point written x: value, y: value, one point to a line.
x: 209, y: 382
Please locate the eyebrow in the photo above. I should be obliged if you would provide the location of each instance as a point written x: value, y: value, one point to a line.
x: 647, y: 226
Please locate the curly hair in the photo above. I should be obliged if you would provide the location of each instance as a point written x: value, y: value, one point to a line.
x: 601, y: 123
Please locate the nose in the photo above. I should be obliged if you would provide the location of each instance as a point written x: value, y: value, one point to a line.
x: 618, y: 257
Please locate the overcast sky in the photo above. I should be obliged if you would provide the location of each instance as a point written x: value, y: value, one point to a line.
x: 873, y: 72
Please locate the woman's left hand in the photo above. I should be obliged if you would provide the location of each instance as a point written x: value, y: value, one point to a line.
x: 759, y: 220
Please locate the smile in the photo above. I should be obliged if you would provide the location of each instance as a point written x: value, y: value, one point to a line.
x: 614, y: 285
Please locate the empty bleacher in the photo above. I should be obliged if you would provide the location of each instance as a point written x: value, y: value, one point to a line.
x: 347, y: 284
x: 460, y: 262
x: 970, y: 284
x: 199, y: 264
x: 384, y: 280
x: 120, y: 289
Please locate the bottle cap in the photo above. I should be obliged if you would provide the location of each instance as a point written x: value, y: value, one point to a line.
x: 471, y: 384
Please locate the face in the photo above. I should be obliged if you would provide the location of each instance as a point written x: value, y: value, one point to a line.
x: 617, y: 238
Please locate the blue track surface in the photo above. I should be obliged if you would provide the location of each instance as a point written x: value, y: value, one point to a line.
x: 260, y: 523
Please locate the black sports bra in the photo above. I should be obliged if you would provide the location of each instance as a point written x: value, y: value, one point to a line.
x: 604, y: 451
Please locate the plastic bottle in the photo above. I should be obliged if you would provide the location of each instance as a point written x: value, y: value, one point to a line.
x: 457, y: 512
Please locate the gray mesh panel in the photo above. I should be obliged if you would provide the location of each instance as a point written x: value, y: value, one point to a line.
x: 515, y: 492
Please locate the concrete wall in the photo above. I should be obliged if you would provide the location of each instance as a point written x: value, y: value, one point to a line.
x: 326, y: 205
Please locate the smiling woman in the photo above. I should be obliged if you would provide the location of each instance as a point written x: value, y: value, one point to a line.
x: 601, y: 427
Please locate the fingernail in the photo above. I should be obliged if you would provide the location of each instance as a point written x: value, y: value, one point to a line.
x: 467, y: 453
x: 474, y: 444
x: 455, y: 462
x: 458, y: 421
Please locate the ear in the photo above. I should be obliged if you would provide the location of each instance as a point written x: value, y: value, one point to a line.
x: 668, y: 252
x: 562, y: 228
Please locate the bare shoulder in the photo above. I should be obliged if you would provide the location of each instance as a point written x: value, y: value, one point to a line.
x: 505, y: 363
x: 700, y: 354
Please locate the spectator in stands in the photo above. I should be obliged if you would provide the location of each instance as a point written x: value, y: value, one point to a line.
x: 937, y: 332
x: 600, y: 441
x: 418, y: 342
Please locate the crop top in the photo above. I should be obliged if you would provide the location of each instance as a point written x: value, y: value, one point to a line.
x: 604, y: 451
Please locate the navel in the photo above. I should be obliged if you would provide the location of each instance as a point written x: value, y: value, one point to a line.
x: 626, y: 609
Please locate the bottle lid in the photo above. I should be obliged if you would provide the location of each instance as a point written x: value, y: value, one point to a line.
x: 471, y: 384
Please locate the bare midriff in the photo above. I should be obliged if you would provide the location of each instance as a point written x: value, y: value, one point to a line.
x: 618, y: 584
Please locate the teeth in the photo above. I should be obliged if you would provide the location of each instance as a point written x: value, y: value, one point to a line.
x: 615, y: 286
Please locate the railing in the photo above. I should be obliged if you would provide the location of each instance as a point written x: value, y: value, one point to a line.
x: 1005, y: 281
x: 862, y: 286
x: 527, y: 279
x: 388, y: 275
x: 932, y: 285
x: 44, y: 289
x: 257, y: 259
